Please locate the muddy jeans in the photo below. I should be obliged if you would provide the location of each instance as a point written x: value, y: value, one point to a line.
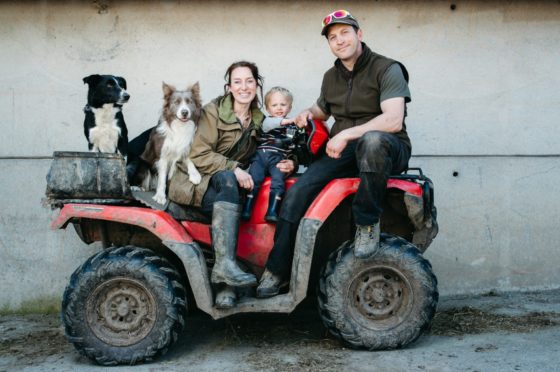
x: 373, y: 157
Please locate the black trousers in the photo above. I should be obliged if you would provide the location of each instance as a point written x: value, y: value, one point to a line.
x: 263, y: 163
x: 373, y: 157
x: 223, y: 186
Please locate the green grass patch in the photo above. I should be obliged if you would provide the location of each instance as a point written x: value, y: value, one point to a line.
x: 41, y: 305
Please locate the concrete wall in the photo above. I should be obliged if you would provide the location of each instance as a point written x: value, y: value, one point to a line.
x: 484, y: 80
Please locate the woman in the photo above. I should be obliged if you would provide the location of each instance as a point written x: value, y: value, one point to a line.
x: 225, y: 140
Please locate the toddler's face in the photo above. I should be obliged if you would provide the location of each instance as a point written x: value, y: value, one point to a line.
x: 278, y: 105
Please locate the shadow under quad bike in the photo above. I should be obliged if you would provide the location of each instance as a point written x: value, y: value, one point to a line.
x: 128, y: 303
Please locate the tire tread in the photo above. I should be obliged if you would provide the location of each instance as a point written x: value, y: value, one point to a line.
x: 164, y: 279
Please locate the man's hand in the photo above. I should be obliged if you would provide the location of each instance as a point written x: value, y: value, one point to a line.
x: 244, y: 179
x: 285, y: 166
x: 302, y: 118
x: 336, y: 145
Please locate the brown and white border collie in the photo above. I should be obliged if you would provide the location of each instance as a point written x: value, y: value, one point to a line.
x: 170, y: 141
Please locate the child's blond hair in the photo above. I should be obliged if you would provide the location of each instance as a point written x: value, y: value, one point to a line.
x: 283, y: 91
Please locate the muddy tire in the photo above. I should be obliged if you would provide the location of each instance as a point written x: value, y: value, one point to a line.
x: 124, y: 306
x: 384, y: 302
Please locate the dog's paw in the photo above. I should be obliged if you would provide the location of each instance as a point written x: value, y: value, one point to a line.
x: 195, y: 178
x: 160, y: 198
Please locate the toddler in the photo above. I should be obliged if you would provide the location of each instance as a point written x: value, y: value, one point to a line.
x: 273, y: 146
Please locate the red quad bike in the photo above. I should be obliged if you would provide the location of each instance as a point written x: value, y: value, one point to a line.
x: 128, y: 303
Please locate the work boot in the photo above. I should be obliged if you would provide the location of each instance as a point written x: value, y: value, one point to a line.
x: 269, y: 285
x: 273, y: 204
x: 249, y: 204
x: 225, y: 298
x: 366, y: 242
x: 225, y: 227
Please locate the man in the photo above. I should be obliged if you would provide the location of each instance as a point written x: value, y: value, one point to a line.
x: 366, y: 94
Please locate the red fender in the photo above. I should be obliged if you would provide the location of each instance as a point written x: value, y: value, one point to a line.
x: 158, y: 223
x: 337, y: 190
x: 255, y: 236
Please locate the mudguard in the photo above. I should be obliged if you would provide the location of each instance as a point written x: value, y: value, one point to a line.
x: 157, y: 222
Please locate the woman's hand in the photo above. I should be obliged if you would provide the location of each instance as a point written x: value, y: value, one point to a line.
x: 286, y: 166
x: 244, y: 179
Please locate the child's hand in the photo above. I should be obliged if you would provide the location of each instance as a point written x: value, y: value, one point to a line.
x: 287, y: 121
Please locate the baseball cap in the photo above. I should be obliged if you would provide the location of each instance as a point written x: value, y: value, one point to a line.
x: 338, y: 16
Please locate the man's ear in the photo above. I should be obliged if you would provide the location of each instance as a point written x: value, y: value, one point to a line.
x: 359, y: 33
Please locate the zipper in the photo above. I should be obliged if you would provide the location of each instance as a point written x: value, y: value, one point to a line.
x: 350, y: 84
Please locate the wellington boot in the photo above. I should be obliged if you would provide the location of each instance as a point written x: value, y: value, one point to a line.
x: 273, y: 205
x: 225, y: 298
x: 249, y: 204
x: 225, y: 227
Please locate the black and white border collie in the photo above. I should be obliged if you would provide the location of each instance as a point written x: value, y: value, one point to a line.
x: 104, y: 125
x: 170, y: 141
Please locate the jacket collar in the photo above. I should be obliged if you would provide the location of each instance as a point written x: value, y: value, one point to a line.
x: 360, y: 62
x: 226, y: 114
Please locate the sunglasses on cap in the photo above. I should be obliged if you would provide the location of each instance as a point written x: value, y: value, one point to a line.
x: 337, y: 14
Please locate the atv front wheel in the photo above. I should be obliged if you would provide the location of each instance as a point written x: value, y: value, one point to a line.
x: 383, y: 302
x: 124, y: 306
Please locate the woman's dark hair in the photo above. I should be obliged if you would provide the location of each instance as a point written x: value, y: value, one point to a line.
x: 254, y: 71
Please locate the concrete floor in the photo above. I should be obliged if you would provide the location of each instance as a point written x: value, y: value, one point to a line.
x: 495, y: 332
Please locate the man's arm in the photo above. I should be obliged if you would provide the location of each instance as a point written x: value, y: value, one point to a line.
x: 391, y: 121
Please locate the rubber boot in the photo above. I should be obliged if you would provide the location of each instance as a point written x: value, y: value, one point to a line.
x: 249, y: 204
x: 273, y: 204
x: 225, y: 298
x: 366, y: 242
x: 225, y: 227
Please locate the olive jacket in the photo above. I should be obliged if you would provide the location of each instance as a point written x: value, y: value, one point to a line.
x: 220, y: 143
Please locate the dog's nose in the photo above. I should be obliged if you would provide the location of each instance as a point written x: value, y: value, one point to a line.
x: 126, y: 96
x: 185, y: 113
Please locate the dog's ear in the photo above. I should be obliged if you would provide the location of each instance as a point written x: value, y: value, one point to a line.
x: 195, y: 89
x: 92, y: 80
x: 122, y: 81
x: 167, y: 89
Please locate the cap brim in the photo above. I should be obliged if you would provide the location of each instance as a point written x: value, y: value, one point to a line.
x: 339, y: 21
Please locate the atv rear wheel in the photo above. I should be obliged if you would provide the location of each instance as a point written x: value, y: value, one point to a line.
x: 124, y: 306
x: 383, y: 302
